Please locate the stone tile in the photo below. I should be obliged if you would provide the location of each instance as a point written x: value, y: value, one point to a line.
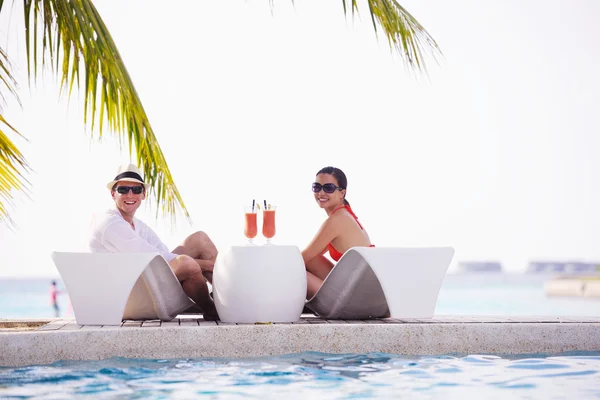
x: 317, y: 321
x: 514, y: 319
x: 71, y: 327
x: 517, y: 319
x: 393, y: 321
x: 110, y: 327
x: 455, y: 319
x: 490, y: 320
x: 431, y: 321
x: 202, y: 322
x: 475, y: 319
x: 188, y: 322
x: 409, y: 320
x: 54, y: 325
x: 548, y: 319
x: 581, y: 319
x: 91, y: 327
x: 132, y: 324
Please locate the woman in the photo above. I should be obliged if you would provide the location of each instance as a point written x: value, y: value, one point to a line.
x: 340, y: 231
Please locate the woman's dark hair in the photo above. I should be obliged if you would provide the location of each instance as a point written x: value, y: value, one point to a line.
x: 339, y: 175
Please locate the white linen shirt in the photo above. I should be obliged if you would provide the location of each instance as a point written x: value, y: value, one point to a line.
x: 110, y: 233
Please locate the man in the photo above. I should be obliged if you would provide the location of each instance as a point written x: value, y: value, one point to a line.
x: 118, y: 231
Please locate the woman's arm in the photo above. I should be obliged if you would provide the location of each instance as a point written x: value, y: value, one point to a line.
x: 318, y: 245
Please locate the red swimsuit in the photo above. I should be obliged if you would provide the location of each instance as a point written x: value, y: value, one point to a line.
x: 336, y: 255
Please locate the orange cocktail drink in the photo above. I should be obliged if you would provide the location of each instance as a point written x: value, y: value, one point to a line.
x: 268, y: 228
x: 250, y: 226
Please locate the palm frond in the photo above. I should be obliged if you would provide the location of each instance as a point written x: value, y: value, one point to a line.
x: 13, y: 165
x: 78, y: 46
x: 404, y: 33
x: 12, y: 168
x: 7, y: 81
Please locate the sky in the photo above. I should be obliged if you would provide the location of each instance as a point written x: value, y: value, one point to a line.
x: 494, y: 152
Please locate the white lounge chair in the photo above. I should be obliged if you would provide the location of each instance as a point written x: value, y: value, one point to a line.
x: 378, y: 282
x: 106, y: 288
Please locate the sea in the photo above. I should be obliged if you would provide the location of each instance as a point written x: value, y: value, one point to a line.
x: 460, y: 294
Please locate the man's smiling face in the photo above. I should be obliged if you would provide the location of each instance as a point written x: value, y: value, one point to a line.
x: 128, y: 202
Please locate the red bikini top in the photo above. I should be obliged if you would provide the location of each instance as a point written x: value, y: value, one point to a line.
x: 336, y: 255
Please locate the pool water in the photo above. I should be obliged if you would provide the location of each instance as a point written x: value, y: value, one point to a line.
x: 319, y: 375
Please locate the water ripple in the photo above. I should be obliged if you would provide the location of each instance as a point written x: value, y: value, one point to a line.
x: 538, y: 366
x: 311, y: 374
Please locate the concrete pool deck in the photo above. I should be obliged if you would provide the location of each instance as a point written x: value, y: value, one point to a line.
x: 192, y: 337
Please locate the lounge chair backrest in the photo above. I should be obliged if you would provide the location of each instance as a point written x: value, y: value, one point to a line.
x: 376, y: 282
x: 105, y: 288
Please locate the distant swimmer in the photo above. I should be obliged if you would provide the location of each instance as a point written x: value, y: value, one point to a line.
x: 54, y: 292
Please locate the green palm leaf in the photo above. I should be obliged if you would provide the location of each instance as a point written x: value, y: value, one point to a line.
x: 12, y: 166
x: 12, y: 163
x: 78, y: 46
x: 404, y: 33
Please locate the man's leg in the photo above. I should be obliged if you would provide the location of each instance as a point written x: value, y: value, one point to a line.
x: 188, y: 272
x: 202, y: 249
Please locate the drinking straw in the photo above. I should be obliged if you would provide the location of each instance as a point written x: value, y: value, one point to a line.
x: 252, y: 205
x: 265, y: 204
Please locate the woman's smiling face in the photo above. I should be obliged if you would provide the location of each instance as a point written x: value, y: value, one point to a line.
x: 328, y: 200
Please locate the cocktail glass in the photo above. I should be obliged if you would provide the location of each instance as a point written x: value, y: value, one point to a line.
x: 268, y: 228
x: 250, y: 227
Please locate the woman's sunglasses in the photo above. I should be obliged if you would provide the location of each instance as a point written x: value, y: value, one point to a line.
x: 134, y: 189
x: 327, y: 188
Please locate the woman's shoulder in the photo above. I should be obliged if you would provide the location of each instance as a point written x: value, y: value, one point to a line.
x: 341, y: 216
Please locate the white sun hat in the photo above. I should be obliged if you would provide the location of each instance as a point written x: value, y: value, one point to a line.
x: 129, y: 173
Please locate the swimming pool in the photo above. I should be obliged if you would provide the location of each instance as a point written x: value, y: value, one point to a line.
x: 309, y: 374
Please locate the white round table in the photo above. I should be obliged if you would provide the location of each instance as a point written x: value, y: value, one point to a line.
x: 259, y: 284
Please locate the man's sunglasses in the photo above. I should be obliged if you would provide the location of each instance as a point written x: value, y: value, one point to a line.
x: 134, y: 189
x: 327, y: 188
